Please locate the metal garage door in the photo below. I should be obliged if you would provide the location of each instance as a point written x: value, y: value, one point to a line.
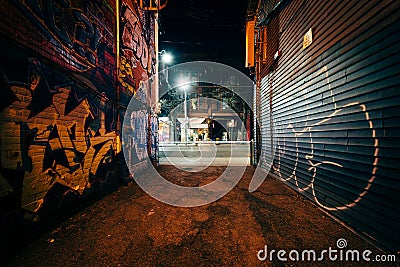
x: 336, y: 112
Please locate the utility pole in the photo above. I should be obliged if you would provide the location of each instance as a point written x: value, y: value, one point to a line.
x: 186, y: 115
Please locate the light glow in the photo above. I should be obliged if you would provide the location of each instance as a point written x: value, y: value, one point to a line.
x: 166, y: 58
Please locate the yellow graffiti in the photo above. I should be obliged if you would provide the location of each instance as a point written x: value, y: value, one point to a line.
x: 39, y: 179
x: 125, y: 75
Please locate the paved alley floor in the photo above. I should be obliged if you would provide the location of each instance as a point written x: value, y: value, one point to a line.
x: 130, y: 228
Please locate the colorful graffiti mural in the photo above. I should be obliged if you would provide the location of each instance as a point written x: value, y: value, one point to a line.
x: 153, y: 138
x: 138, y: 55
x: 71, y: 29
x: 51, y: 136
x: 59, y: 106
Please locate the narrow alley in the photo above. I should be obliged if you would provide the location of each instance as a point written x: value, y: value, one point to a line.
x: 199, y: 133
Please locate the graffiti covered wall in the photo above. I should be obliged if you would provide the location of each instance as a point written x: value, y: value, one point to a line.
x: 138, y: 49
x: 51, y: 135
x: 59, y: 112
x: 136, y: 77
x: 77, y: 35
x: 335, y: 110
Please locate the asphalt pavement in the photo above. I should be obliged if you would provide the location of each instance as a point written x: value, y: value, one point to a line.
x: 130, y: 228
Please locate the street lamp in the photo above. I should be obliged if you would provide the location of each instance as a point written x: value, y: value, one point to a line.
x: 186, y: 126
x: 166, y: 57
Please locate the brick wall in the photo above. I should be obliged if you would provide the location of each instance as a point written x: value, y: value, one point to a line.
x: 58, y: 71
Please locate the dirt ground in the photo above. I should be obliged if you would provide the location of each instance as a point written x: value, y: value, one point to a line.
x: 130, y: 228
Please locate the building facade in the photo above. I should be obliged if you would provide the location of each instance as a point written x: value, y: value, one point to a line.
x: 209, y: 108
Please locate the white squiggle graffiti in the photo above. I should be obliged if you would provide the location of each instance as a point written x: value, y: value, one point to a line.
x: 314, y: 166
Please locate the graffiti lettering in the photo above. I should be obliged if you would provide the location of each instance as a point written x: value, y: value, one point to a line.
x: 153, y: 140
x: 125, y: 75
x: 69, y: 31
x: 57, y: 145
x: 87, y: 37
x: 134, y: 41
x: 139, y: 130
x: 52, y: 13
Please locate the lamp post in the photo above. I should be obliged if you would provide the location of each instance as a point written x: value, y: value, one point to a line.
x: 186, y: 128
x: 184, y: 84
x: 166, y: 59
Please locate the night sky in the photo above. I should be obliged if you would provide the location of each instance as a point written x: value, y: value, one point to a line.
x: 210, y: 30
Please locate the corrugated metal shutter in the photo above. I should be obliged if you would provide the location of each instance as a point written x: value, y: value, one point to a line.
x: 256, y: 123
x: 336, y: 110
x: 267, y: 147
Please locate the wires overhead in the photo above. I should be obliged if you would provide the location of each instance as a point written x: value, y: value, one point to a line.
x: 206, y: 30
x: 218, y: 14
x: 182, y: 42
